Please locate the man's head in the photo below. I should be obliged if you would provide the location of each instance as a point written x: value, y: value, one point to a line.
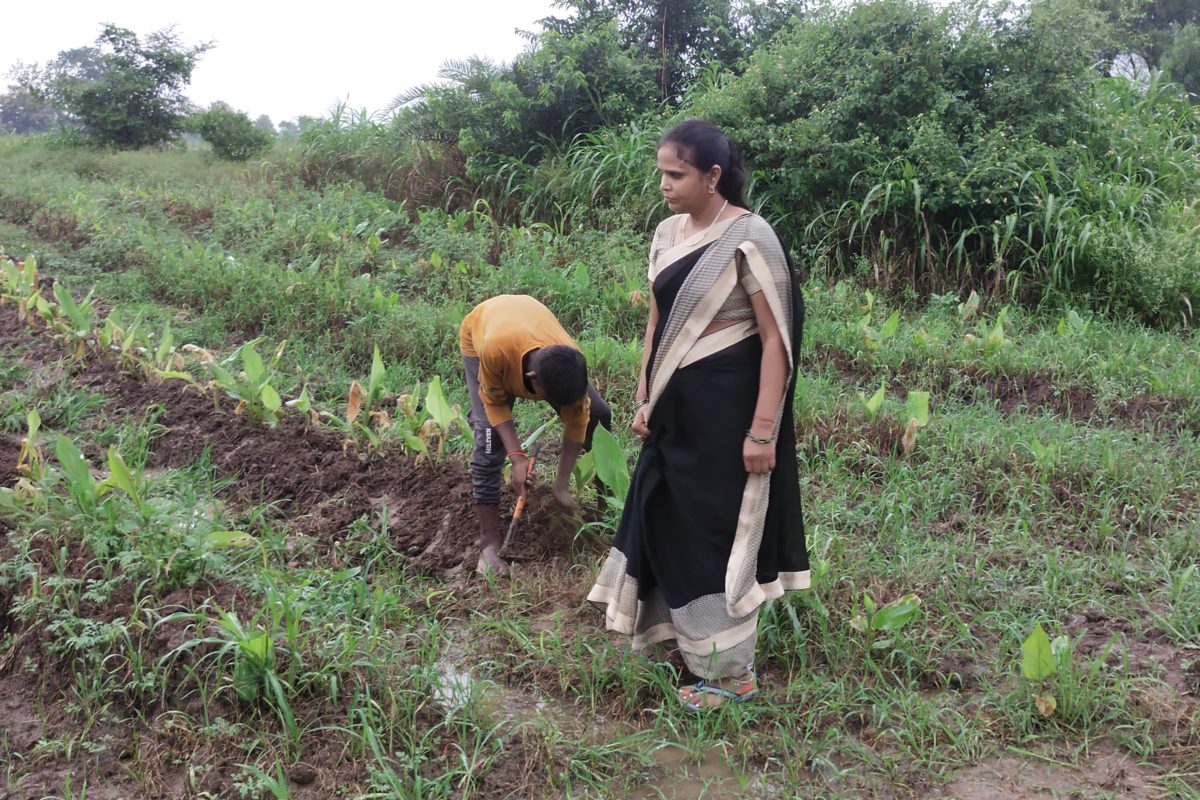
x: 561, y: 373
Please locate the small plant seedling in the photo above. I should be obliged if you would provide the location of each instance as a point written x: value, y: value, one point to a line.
x: 252, y: 387
x: 21, y: 287
x: 916, y: 414
x: 872, y: 621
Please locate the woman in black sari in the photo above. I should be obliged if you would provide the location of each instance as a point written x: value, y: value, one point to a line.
x: 712, y: 526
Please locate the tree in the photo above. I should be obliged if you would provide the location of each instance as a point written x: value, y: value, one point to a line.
x: 263, y: 123
x: 1181, y: 62
x: 20, y: 113
x: 123, y: 92
x: 230, y: 132
x: 682, y: 38
x: 564, y: 86
x: 1165, y: 34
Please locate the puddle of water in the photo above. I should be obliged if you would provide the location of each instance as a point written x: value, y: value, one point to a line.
x: 454, y: 686
x: 457, y: 686
x: 680, y: 777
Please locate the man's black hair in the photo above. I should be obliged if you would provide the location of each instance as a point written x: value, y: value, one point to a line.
x: 562, y: 372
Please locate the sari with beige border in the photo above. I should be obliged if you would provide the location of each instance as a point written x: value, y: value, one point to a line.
x: 703, y: 544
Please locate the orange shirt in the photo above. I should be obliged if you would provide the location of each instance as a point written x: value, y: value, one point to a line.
x: 500, y: 332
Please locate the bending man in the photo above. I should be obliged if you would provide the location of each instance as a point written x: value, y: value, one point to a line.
x: 513, y: 346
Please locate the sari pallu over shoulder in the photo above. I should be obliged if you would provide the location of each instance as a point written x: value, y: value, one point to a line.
x: 704, y: 291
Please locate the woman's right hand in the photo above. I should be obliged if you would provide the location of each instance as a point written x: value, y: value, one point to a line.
x: 641, y: 424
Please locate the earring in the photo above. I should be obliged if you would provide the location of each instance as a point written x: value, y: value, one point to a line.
x: 712, y: 189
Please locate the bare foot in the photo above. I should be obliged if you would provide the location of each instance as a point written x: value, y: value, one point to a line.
x: 490, y: 561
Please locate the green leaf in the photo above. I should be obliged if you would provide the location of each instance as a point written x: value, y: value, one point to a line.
x: 995, y: 338
x: 1037, y: 657
x: 225, y: 379
x: 110, y: 332
x: 256, y: 372
x: 129, y: 341
x: 79, y: 320
x: 33, y: 420
x: 890, y: 327
x: 228, y: 539
x: 375, y: 382
x: 121, y: 476
x: 875, y: 403
x: 536, y: 436
x: 247, y: 680
x: 414, y: 444
x: 437, y: 405
x: 967, y: 309
x: 896, y: 614
x: 270, y: 398
x: 258, y: 649
x: 79, y: 477
x: 611, y: 465
x: 303, y: 402
x: 916, y: 407
x: 584, y: 469
x: 164, y: 345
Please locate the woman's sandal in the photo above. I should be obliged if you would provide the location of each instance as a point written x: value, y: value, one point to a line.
x: 748, y: 691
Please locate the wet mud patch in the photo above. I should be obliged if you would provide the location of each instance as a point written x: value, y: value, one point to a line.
x: 1136, y: 645
x: 7, y: 589
x: 1102, y: 773
x: 31, y: 342
x: 10, y: 451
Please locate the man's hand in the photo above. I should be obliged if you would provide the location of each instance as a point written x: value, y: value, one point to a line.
x: 562, y: 496
x: 522, y: 478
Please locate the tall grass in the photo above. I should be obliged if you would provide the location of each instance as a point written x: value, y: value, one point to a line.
x: 603, y: 178
x: 1114, y: 218
x: 353, y: 146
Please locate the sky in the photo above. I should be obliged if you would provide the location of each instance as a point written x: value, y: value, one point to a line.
x: 277, y: 59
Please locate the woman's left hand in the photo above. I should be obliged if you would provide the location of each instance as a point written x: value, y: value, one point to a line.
x: 759, y: 458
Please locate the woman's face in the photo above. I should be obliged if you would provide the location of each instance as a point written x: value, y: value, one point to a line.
x: 683, y: 186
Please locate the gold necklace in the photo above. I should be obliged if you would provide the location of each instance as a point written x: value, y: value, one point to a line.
x: 714, y: 222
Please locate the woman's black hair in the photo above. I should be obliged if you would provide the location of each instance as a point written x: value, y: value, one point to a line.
x: 704, y: 145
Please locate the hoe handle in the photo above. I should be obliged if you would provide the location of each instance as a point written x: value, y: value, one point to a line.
x: 519, y: 509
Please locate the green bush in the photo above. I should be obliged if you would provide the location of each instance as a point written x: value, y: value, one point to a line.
x: 564, y: 86
x: 232, y: 134
x: 966, y: 146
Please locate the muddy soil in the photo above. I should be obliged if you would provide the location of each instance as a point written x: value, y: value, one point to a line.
x: 307, y: 473
x: 319, y: 487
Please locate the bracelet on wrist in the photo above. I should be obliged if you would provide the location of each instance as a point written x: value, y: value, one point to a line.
x: 639, y: 403
x: 759, y: 439
x: 520, y: 451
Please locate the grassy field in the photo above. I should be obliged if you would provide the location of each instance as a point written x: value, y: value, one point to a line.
x: 200, y: 597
